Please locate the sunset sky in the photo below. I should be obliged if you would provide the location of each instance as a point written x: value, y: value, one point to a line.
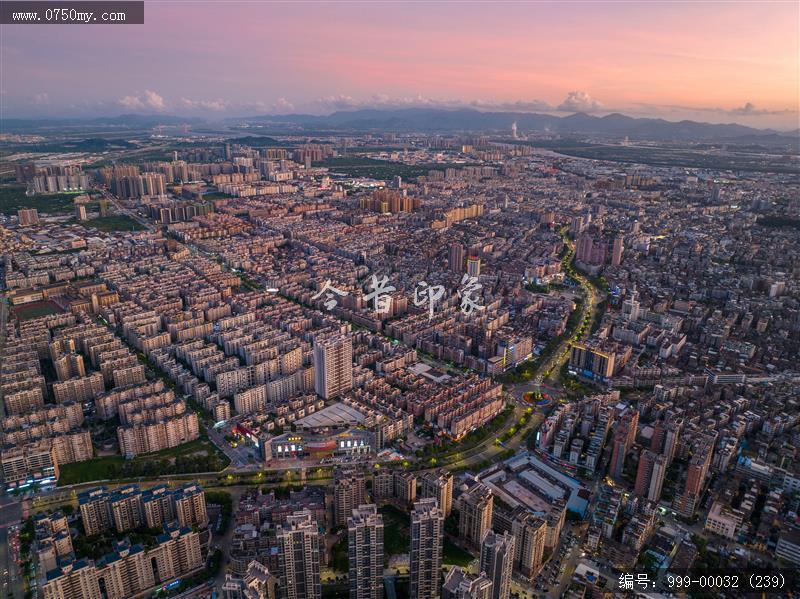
x: 712, y: 61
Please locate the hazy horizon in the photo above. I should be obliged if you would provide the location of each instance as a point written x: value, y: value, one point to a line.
x: 218, y: 118
x: 716, y: 62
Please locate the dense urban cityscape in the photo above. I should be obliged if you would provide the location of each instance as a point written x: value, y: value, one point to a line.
x: 391, y: 346
x: 502, y: 371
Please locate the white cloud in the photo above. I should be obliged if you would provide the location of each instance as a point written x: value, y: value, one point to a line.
x: 41, y: 99
x: 518, y: 106
x: 339, y: 102
x: 131, y: 102
x: 149, y: 100
x: 153, y: 100
x: 282, y: 105
x: 407, y: 101
x: 345, y: 102
x: 217, y: 105
x: 579, y: 101
x: 279, y: 106
x: 749, y: 109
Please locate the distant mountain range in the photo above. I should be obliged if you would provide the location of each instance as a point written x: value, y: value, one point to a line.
x: 444, y: 120
x: 441, y: 120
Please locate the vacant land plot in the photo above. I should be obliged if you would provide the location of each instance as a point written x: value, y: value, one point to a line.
x: 670, y: 156
x: 13, y: 198
x: 114, y: 222
x: 380, y: 169
x: 215, y: 195
x: 200, y: 455
x: 35, y: 310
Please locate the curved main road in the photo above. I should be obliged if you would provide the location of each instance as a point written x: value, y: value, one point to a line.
x: 546, y: 369
x: 489, y: 449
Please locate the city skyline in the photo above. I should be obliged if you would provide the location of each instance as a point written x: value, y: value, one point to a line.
x: 451, y: 299
x: 712, y: 61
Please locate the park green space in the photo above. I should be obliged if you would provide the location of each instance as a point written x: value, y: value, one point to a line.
x: 200, y: 455
x: 13, y: 198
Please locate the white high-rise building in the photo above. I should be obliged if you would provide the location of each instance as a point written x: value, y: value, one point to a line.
x: 427, y: 530
x: 497, y: 562
x: 333, y: 366
x: 529, y: 535
x: 365, y: 550
x: 299, y: 557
